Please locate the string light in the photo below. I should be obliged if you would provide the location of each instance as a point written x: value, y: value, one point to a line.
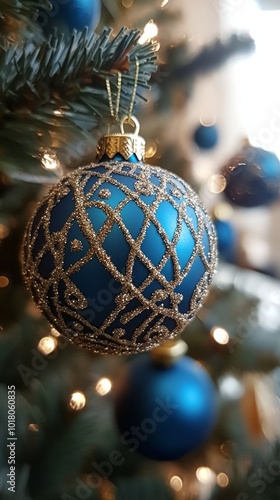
x: 58, y: 112
x: 4, y: 281
x: 50, y: 161
x: 222, y: 480
x: 217, y: 183
x: 77, y: 401
x: 47, y: 345
x: 150, y: 31
x: 176, y: 483
x: 33, y: 428
x: 205, y: 475
x: 220, y: 335
x: 103, y: 386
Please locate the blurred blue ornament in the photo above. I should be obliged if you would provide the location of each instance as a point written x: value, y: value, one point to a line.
x: 69, y: 15
x: 227, y: 239
x: 120, y: 255
x: 206, y: 137
x: 252, y: 178
x: 164, y: 412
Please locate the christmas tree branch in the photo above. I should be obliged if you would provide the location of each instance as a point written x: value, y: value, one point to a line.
x: 60, y: 74
x: 212, y: 56
x: 22, y: 9
x: 18, y: 19
x: 55, y: 91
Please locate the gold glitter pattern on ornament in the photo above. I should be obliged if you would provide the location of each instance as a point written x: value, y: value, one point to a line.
x: 105, y: 194
x: 76, y: 246
x: 143, y: 186
x: 176, y: 193
x: 157, y: 309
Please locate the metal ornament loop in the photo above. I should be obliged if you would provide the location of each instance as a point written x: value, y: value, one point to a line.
x: 131, y: 120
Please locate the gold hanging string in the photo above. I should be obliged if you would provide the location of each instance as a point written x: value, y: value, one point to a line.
x: 114, y: 114
x: 132, y: 102
x: 129, y: 118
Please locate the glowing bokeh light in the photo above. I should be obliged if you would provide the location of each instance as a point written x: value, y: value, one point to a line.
x: 220, y: 335
x: 176, y: 483
x: 103, y: 386
x: 47, y: 345
x: 77, y: 401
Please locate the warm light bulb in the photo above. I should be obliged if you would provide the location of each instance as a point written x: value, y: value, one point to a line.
x: 151, y: 29
x: 217, y: 183
x: 149, y: 32
x: 50, y: 161
x: 58, y: 112
x: 176, y: 483
x: 205, y: 475
x: 222, y: 480
x: 103, y: 386
x: 47, y: 345
x: 220, y: 335
x: 77, y: 400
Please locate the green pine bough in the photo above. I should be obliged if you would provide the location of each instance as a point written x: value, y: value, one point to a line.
x: 53, y: 95
x: 18, y: 20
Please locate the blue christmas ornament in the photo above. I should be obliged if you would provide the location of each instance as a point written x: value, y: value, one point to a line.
x: 164, y: 411
x: 120, y: 255
x: 227, y: 239
x: 69, y: 15
x: 206, y: 137
x: 252, y: 178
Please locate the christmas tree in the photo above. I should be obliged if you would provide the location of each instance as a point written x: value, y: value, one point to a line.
x: 76, y: 424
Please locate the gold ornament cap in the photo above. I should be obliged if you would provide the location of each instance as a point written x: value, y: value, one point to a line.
x: 122, y: 143
x: 167, y: 353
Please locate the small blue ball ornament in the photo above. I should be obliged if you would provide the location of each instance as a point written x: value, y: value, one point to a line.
x: 252, y: 178
x: 206, y: 137
x: 119, y: 255
x: 165, y: 412
x: 69, y: 15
